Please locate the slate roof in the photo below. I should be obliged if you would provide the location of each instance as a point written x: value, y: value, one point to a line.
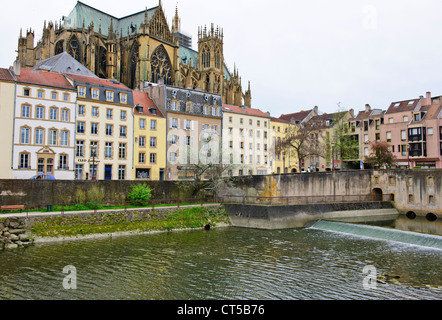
x: 297, y: 116
x: 403, y: 106
x: 87, y: 14
x: 64, y: 63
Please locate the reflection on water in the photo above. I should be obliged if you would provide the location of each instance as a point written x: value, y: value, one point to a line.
x: 228, y: 263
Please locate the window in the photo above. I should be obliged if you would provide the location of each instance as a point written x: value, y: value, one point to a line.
x: 187, y: 124
x: 142, y: 141
x: 121, y: 172
x: 94, y: 128
x: 142, y: 124
x: 25, y: 111
x: 214, y: 111
x: 188, y: 140
x: 390, y: 120
x: 123, y: 131
x: 153, y: 158
x: 388, y: 136
x: 175, y: 123
x: 206, y: 110
x: 405, y: 118
x: 153, y: 125
x: 39, y: 112
x: 64, y: 138
x: 172, y: 156
x: 81, y: 110
x: 54, y: 95
x: 403, y: 135
x: 27, y: 92
x: 141, y: 157
x: 109, y: 113
x: 39, y: 133
x: 123, y: 115
x: 24, y: 161
x: 53, y: 114
x: 123, y: 98
x: 122, y: 151
x: 241, y: 120
x: 65, y: 115
x: 79, y: 148
x: 230, y: 119
x: 108, y: 150
x: 40, y: 94
x: 25, y: 135
x: 153, y: 142
x: 65, y: 97
x: 52, y: 137
x: 63, y: 162
x: 79, y: 172
x: 109, y: 128
x: 366, y: 138
x: 94, y: 112
x: 80, y: 127
x: 416, y: 117
x: 95, y: 94
x: 250, y: 121
x: 173, y: 105
x: 258, y: 123
x: 109, y: 96
x: 430, y: 131
x: 189, y: 106
x: 82, y: 91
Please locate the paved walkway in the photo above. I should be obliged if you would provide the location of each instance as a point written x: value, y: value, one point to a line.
x: 59, y: 213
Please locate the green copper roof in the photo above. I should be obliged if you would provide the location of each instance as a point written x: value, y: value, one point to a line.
x: 83, y: 13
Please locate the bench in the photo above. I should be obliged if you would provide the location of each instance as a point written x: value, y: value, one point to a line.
x: 15, y: 207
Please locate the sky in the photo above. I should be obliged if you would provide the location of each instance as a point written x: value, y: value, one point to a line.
x: 336, y: 55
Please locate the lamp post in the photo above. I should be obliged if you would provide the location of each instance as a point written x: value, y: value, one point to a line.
x: 94, y: 171
x: 333, y: 156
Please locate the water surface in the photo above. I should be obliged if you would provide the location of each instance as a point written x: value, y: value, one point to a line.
x: 225, y: 263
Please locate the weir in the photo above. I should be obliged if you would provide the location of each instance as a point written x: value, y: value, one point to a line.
x: 380, y: 233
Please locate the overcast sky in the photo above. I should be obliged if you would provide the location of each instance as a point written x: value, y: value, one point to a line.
x: 296, y: 54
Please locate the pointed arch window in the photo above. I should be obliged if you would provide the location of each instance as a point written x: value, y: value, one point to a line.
x: 59, y: 47
x: 161, y: 66
x: 206, y: 57
x: 133, y: 64
x: 218, y: 58
x: 74, y: 48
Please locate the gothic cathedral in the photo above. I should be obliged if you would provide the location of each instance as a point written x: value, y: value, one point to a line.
x: 136, y: 49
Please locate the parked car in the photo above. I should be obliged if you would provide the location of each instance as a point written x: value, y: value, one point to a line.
x: 43, y: 177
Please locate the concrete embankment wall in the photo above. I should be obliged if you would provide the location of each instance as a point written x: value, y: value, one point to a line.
x: 298, y: 216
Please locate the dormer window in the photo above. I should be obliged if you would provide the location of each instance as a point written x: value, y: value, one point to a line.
x: 82, y: 91
x: 411, y: 103
x: 123, y: 98
x: 416, y: 116
x: 95, y: 94
x: 327, y: 123
x: 109, y: 96
x: 397, y: 104
x: 153, y: 110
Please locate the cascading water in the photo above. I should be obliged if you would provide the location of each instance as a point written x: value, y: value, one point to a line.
x: 413, y: 238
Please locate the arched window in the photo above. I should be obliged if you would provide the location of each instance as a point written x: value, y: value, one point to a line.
x: 133, y: 62
x: 74, y: 48
x: 161, y: 66
x: 218, y: 58
x: 206, y: 57
x: 59, y: 47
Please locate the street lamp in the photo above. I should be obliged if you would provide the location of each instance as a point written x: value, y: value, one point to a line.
x: 94, y: 171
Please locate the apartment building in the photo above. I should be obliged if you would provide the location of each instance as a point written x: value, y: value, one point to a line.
x: 104, y: 129
x: 193, y: 124
x: 246, y: 141
x: 7, y: 98
x: 149, y: 139
x: 44, y: 125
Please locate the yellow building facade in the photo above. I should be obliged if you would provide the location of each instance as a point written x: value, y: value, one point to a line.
x: 149, y: 156
x: 283, y: 160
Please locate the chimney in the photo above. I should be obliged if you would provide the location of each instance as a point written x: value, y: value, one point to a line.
x: 428, y: 98
x: 352, y: 112
x: 17, y: 68
x: 367, y: 108
x: 316, y: 110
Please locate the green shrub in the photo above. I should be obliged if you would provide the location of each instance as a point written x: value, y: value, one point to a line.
x: 140, y: 194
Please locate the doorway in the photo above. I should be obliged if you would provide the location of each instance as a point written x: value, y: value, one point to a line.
x: 377, y: 194
x: 108, y: 172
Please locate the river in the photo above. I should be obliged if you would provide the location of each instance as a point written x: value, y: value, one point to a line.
x: 225, y: 263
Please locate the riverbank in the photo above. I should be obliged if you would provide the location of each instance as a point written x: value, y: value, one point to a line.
x: 90, y: 225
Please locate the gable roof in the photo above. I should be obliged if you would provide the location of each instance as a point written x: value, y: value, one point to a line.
x: 297, y: 116
x: 64, y: 63
x: 403, y: 106
x: 43, y: 78
x: 6, y: 75
x: 143, y: 99
x: 244, y: 110
x: 85, y: 14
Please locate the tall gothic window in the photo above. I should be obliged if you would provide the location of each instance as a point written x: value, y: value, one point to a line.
x: 206, y: 57
x: 161, y: 66
x: 74, y: 48
x: 59, y: 47
x: 102, y: 62
x: 133, y: 64
x: 217, y: 59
